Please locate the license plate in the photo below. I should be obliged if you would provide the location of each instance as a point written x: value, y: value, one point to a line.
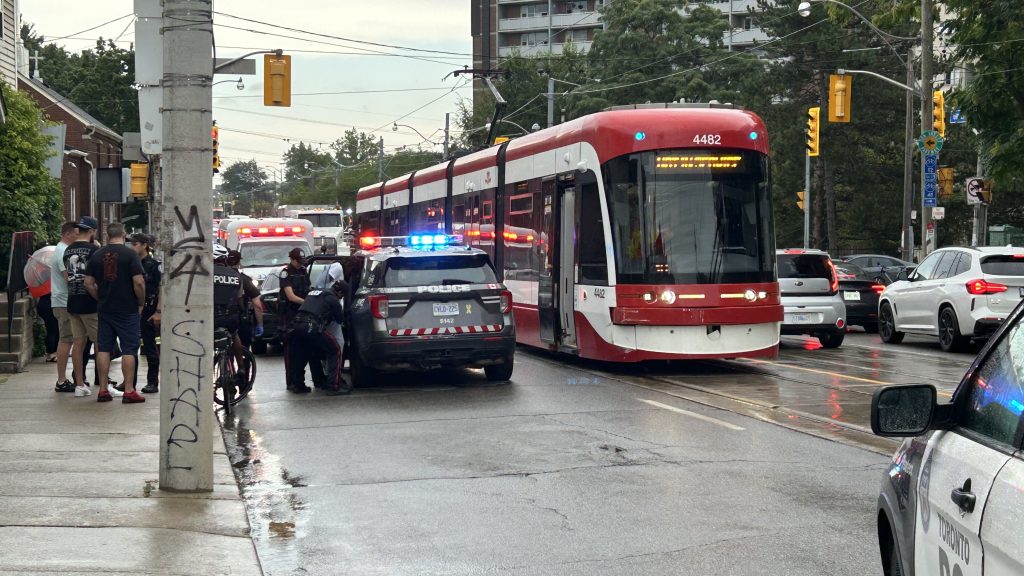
x: 446, y: 309
x: 798, y: 319
x: 851, y: 295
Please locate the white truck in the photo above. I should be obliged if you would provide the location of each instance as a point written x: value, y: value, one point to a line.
x: 330, y: 226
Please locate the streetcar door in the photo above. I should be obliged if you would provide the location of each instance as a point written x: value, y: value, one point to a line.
x: 567, y: 260
x: 546, y: 281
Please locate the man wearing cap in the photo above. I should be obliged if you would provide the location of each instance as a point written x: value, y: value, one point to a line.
x: 294, y: 287
x: 149, y: 322
x: 59, y: 304
x: 81, y: 306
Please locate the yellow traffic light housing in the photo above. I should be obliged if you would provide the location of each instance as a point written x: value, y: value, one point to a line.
x: 813, y: 131
x: 840, y: 94
x: 800, y: 200
x: 215, y: 135
x: 139, y: 180
x: 939, y: 113
x: 277, y: 80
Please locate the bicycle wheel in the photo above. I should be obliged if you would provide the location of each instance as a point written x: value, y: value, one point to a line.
x: 246, y: 387
x: 224, y: 387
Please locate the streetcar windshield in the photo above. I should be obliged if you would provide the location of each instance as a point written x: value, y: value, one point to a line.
x: 691, y: 217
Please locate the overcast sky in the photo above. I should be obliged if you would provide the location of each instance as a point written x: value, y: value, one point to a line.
x: 441, y: 25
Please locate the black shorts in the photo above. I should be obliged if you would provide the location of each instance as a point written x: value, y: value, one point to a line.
x: 122, y: 327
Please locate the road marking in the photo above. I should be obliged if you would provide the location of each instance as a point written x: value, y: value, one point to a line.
x: 692, y: 414
x: 828, y: 373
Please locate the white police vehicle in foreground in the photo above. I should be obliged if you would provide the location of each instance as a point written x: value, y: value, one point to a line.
x: 952, y: 500
x: 422, y: 302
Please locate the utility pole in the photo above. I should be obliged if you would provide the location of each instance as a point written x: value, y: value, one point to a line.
x: 907, y: 250
x: 380, y: 159
x: 186, y: 402
x: 551, y: 100
x: 447, y: 119
x: 926, y: 115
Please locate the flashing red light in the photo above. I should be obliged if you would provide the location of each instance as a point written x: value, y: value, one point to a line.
x: 473, y: 233
x: 369, y: 241
x: 1018, y: 255
x: 506, y: 301
x: 245, y: 230
x: 298, y: 229
x: 793, y: 251
x: 263, y: 230
x: 981, y: 287
x: 878, y: 288
x: 529, y: 237
x: 279, y: 230
x: 379, y: 306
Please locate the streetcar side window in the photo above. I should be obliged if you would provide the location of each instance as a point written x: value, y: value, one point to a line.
x: 590, y: 235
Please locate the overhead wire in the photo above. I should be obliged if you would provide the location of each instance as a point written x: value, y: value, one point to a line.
x: 90, y: 29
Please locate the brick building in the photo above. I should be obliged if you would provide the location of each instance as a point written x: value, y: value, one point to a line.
x: 88, y: 145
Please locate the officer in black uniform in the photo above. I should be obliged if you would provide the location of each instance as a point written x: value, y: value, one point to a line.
x: 312, y: 343
x: 228, y: 304
x: 252, y: 302
x: 294, y: 287
x: 149, y: 321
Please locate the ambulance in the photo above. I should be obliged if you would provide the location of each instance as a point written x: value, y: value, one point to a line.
x: 264, y: 243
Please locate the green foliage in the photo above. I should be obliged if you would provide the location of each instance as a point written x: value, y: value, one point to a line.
x: 98, y: 80
x: 31, y: 199
x: 247, y: 185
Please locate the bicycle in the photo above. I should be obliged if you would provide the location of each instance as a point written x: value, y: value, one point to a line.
x: 225, y: 371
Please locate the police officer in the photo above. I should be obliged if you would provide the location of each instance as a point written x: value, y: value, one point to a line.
x: 253, y: 302
x: 149, y: 321
x: 312, y: 341
x: 228, y: 304
x: 294, y: 287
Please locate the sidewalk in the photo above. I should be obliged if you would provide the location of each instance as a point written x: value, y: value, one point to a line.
x: 79, y: 494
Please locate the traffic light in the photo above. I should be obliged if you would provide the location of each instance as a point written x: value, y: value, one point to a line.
x: 939, y: 113
x: 139, y: 186
x: 839, y: 98
x: 215, y: 134
x: 277, y: 80
x: 813, y: 131
x: 800, y: 201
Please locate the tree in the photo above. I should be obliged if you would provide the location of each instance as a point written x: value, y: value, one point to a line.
x: 355, y: 147
x: 32, y: 199
x: 243, y: 177
x: 100, y: 81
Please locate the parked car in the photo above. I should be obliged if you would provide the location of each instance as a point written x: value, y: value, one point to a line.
x: 951, y: 499
x: 956, y: 294
x: 879, y: 266
x: 860, y: 294
x: 809, y: 287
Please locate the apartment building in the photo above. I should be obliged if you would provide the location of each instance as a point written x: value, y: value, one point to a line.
x: 534, y: 27
x: 9, y: 30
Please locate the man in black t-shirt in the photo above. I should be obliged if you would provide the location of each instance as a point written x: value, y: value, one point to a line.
x: 294, y: 286
x: 149, y: 323
x: 115, y: 277
x: 81, y: 306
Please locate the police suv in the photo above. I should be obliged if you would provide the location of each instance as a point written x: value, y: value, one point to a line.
x: 421, y: 302
x: 952, y: 500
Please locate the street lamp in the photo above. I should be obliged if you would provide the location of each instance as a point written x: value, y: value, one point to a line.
x: 238, y: 83
x: 804, y: 9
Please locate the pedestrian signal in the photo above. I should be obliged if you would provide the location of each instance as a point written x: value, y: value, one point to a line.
x: 215, y: 135
x: 839, y: 97
x: 813, y: 131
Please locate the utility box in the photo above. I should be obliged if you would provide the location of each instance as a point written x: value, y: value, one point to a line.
x: 1005, y: 235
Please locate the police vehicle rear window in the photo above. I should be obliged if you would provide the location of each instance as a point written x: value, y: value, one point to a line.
x: 444, y: 271
x: 803, y: 266
x: 1003, y: 265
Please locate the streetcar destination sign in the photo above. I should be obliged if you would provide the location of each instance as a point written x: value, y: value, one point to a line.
x: 683, y: 162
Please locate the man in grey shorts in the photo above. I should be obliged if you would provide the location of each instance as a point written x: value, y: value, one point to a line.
x: 59, y: 303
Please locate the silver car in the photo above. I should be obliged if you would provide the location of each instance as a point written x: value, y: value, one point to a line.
x: 957, y: 294
x: 809, y: 286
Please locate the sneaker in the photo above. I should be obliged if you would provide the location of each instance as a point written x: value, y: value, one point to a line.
x: 150, y: 389
x: 65, y: 386
x: 133, y: 397
x: 104, y: 396
x: 114, y: 390
x: 81, y: 391
x: 118, y: 387
x: 340, y: 391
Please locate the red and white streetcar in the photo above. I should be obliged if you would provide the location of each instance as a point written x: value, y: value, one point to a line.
x: 637, y: 233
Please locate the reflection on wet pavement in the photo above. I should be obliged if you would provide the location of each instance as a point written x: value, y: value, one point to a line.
x: 276, y: 512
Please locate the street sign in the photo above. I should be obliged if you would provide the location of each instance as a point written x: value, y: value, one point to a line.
x: 975, y: 190
x: 931, y: 164
x: 938, y: 213
x: 931, y: 181
x: 931, y: 190
x: 929, y: 142
x: 930, y: 231
x: 957, y: 117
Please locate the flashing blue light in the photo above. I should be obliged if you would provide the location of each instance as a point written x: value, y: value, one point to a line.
x: 427, y: 240
x: 640, y: 136
x: 414, y: 240
x: 753, y: 135
x: 440, y: 239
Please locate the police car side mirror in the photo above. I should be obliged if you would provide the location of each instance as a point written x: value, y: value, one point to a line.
x: 903, y: 410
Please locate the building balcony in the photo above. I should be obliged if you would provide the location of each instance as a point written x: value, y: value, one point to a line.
x: 540, y: 49
x: 557, y: 22
x: 735, y: 7
x: 742, y: 37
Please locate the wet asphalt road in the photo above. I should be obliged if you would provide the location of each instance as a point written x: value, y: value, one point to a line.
x: 742, y: 467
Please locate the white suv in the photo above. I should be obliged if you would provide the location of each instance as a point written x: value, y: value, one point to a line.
x: 957, y: 294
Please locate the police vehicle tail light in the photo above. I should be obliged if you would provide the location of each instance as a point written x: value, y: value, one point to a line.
x: 506, y: 301
x: 981, y: 287
x: 368, y: 241
x: 379, y: 306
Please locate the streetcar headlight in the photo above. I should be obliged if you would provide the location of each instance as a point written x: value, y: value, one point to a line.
x: 762, y: 295
x: 648, y: 296
x: 668, y: 297
x: 750, y: 295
